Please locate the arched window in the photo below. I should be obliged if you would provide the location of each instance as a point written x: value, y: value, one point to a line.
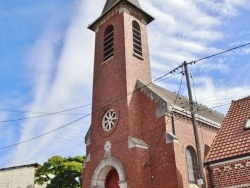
x: 137, y: 38
x: 108, y: 50
x: 192, y: 166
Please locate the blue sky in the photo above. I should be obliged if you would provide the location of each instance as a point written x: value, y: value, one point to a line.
x: 46, y: 65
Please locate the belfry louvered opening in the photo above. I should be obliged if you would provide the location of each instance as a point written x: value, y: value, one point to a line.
x: 108, y: 50
x: 137, y: 38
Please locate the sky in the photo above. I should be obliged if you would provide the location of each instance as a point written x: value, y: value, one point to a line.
x: 47, y: 56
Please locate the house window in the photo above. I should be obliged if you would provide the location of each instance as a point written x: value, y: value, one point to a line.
x: 108, y: 50
x: 192, y: 166
x: 247, y: 123
x: 137, y: 38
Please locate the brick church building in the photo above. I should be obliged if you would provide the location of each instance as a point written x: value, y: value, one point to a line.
x: 141, y: 135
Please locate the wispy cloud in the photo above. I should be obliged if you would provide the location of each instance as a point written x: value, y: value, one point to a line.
x: 60, y: 64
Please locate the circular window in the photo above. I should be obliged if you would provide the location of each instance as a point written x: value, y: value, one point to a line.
x: 108, y: 120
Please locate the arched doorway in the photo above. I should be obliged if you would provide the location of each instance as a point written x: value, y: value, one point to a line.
x: 108, y: 171
x: 112, y: 179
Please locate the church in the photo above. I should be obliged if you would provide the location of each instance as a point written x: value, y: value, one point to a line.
x: 141, y: 135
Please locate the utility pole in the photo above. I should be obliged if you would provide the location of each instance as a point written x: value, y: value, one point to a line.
x: 196, y: 134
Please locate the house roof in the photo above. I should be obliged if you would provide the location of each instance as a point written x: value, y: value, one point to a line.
x: 181, y: 105
x: 21, y: 166
x: 110, y: 4
x: 232, y: 141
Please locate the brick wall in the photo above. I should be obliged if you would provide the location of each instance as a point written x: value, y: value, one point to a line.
x: 231, y: 174
x: 168, y: 161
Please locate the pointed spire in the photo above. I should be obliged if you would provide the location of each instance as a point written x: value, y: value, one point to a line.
x: 110, y: 3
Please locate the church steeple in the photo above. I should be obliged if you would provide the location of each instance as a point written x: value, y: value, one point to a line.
x: 121, y: 59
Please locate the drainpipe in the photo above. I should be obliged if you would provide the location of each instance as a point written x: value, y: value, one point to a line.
x: 173, y: 124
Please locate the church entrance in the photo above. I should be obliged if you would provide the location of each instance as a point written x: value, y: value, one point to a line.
x: 112, y: 179
x: 109, y: 174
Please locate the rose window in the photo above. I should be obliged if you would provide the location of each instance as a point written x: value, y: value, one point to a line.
x: 109, y: 120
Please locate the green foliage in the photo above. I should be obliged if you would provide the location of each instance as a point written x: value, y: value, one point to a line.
x: 60, y: 172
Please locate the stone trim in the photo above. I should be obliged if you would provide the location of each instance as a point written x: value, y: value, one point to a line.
x: 170, y: 137
x: 238, y: 186
x: 134, y: 142
x: 87, y: 138
x: 229, y: 161
x: 102, y: 170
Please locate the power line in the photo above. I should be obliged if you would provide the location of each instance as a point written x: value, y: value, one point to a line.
x: 32, y: 112
x: 48, y: 114
x: 125, y: 139
x: 122, y: 97
x: 22, y: 142
x: 171, y: 72
x: 231, y: 49
x: 168, y: 77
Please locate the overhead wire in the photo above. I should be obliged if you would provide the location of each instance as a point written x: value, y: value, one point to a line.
x: 43, y: 115
x: 236, y: 91
x: 125, y: 95
x: 58, y: 128
x: 33, y: 112
x: 41, y: 135
x: 156, y: 80
x: 223, y: 52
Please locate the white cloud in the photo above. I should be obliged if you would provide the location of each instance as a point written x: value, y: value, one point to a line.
x: 62, y: 80
x: 62, y: 77
x: 213, y: 94
x: 211, y: 66
x: 246, y: 51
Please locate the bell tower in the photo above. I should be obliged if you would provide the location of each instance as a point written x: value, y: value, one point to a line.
x: 121, y: 58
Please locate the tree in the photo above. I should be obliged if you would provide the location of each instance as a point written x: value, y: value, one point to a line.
x: 59, y: 172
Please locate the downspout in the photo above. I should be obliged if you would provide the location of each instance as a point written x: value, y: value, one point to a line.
x: 173, y: 124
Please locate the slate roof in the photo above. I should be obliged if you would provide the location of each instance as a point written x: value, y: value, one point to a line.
x: 162, y: 95
x: 233, y: 140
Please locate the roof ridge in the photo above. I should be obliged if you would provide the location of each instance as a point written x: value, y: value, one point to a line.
x: 20, y: 166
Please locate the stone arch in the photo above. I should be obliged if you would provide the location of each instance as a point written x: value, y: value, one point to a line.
x: 102, y: 170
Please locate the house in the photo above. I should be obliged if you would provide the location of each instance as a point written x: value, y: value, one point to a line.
x: 228, y: 161
x: 141, y: 135
x: 19, y: 177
